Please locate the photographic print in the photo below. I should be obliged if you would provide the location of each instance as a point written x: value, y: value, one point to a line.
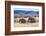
x: 26, y: 17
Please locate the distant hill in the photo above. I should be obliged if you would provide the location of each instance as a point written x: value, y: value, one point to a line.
x: 25, y: 12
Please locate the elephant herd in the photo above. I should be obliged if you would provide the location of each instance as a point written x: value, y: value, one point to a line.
x: 29, y: 20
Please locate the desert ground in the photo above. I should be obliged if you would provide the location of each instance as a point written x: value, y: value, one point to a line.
x: 26, y: 25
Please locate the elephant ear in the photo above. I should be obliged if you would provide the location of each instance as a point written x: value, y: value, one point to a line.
x: 22, y: 20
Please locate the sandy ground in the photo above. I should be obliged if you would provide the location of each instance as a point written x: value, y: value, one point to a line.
x: 26, y: 25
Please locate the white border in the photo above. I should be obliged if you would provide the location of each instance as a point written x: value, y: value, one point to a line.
x: 25, y: 28
x: 12, y: 19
